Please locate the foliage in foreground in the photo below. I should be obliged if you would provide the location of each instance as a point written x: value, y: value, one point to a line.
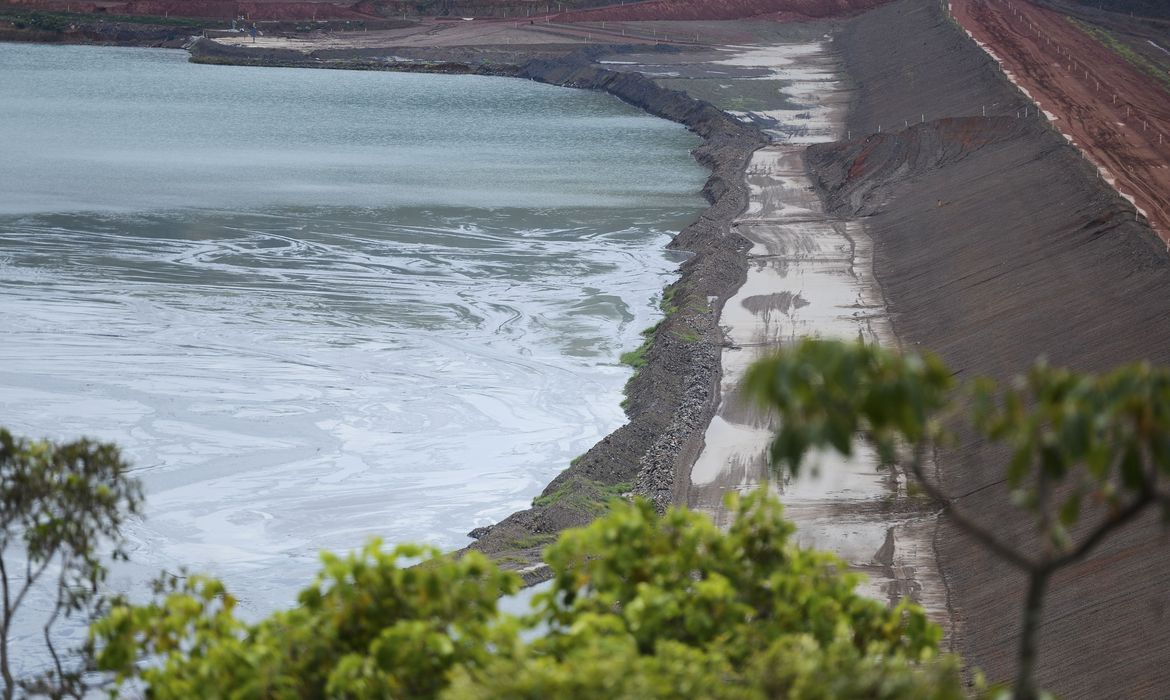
x: 59, y: 504
x: 1088, y: 454
x: 641, y: 605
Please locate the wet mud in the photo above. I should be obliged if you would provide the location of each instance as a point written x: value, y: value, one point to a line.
x: 809, y: 274
x: 996, y: 242
x: 993, y: 241
x: 671, y: 398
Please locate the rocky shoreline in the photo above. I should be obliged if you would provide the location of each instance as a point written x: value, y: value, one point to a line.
x: 994, y: 243
x: 673, y: 395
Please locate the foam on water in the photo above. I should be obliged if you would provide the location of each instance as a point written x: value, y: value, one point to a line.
x: 303, y: 341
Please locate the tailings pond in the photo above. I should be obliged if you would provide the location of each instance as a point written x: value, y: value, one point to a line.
x: 315, y: 307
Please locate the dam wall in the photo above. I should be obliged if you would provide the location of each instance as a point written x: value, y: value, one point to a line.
x: 995, y: 244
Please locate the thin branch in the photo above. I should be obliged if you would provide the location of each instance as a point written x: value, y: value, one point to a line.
x: 978, y: 489
x: 1118, y: 519
x: 969, y: 526
x: 28, y: 582
x: 5, y: 669
x: 1043, y: 493
x: 53, y: 619
x: 4, y: 582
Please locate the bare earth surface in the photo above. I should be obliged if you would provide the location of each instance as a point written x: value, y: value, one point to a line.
x: 1119, y: 115
x: 432, y: 33
x: 995, y: 243
x: 934, y: 204
x: 810, y: 273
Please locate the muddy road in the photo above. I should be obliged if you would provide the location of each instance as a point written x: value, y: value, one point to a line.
x: 1117, y: 114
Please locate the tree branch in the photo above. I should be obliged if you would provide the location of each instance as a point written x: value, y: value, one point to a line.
x: 983, y: 535
x: 31, y: 578
x: 5, y: 669
x: 4, y: 582
x: 52, y: 620
x: 1113, y: 522
x: 1043, y: 503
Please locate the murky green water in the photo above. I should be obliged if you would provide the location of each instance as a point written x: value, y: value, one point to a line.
x: 319, y: 306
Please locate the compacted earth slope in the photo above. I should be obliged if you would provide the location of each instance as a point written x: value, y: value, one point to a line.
x: 997, y: 243
x: 1110, y: 107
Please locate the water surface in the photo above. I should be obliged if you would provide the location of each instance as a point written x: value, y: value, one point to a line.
x: 320, y: 306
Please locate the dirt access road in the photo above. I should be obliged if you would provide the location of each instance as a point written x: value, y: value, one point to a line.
x: 1117, y: 114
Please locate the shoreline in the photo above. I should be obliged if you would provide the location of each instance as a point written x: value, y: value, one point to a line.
x: 673, y: 424
x: 672, y: 398
x: 993, y: 242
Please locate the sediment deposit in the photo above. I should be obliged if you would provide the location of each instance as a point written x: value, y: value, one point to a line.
x: 674, y: 10
x: 994, y: 241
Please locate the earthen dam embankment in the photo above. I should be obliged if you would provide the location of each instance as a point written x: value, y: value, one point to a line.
x: 996, y: 243
x: 672, y: 397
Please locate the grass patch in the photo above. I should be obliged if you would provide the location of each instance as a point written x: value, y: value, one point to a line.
x: 530, y: 541
x: 667, y: 303
x: 584, y: 495
x: 1122, y: 49
x: 60, y: 21
x: 636, y: 358
x: 735, y: 94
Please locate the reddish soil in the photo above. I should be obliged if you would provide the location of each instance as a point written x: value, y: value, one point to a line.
x: 719, y: 10
x: 1119, y: 115
x: 206, y: 9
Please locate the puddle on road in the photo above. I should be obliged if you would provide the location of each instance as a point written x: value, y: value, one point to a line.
x: 810, y: 275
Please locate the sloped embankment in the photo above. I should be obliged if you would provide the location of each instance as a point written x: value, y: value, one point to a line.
x: 675, y: 10
x: 996, y: 243
x: 673, y: 395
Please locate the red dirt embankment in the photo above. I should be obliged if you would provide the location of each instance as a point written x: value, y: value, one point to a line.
x: 204, y: 9
x: 1116, y: 113
x: 683, y: 10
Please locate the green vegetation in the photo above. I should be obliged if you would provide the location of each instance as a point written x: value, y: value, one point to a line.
x: 530, y: 541
x: 639, y: 356
x: 60, y: 505
x: 667, y: 302
x: 60, y: 21
x: 1124, y: 50
x: 636, y: 358
x: 584, y: 495
x: 1089, y: 454
x: 737, y: 95
x: 641, y: 606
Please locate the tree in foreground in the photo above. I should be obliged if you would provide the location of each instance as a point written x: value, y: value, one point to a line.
x: 1089, y: 454
x: 61, y: 506
x: 640, y: 606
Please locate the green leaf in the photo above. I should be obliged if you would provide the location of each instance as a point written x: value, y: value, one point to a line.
x: 1070, y: 511
x: 1132, y: 474
x: 1019, y: 465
